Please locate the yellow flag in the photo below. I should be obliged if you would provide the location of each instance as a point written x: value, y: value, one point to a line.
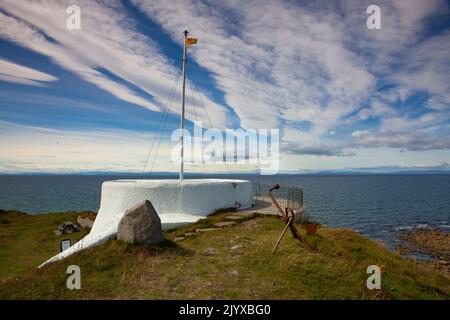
x: 190, y: 41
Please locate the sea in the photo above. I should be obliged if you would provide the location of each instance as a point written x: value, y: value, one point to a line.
x: 375, y: 205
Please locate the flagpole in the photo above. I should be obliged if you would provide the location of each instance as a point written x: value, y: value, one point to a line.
x: 182, y: 106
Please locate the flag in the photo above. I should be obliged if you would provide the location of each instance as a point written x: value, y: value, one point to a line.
x: 190, y: 41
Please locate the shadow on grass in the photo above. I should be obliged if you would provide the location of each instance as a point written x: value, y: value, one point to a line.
x: 223, y: 210
x: 166, y: 246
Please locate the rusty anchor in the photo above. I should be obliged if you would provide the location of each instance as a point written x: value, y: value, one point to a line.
x: 288, y: 217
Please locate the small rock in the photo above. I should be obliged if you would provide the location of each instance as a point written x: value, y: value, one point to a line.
x: 224, y: 224
x: 58, y: 232
x: 205, y: 229
x: 210, y: 251
x: 85, y: 222
x: 234, y: 273
x: 236, y: 246
x: 178, y: 238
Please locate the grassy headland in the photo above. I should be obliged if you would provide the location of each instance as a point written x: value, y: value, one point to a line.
x: 231, y: 263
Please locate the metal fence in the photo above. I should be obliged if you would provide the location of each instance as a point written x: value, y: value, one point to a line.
x: 287, y: 196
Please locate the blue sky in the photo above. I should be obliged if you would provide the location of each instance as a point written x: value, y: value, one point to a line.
x: 343, y: 96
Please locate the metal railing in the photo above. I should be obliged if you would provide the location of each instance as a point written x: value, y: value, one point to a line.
x: 287, y: 196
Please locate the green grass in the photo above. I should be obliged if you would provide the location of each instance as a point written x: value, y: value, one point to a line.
x: 182, y: 270
x: 26, y: 240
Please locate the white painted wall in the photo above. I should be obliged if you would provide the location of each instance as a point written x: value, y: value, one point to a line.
x: 177, y: 203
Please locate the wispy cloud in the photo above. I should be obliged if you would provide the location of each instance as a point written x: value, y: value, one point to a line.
x: 311, y: 68
x: 107, y: 41
x: 278, y: 62
x: 32, y: 148
x: 288, y: 64
x: 28, y: 148
x: 12, y: 72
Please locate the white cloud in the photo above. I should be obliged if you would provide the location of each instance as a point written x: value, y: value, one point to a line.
x: 428, y: 69
x: 31, y: 148
x: 12, y: 72
x: 317, y: 150
x: 377, y: 109
x: 310, y: 68
x: 107, y: 41
x: 285, y: 64
x: 25, y: 148
x: 275, y: 61
x: 402, y: 139
x: 438, y: 103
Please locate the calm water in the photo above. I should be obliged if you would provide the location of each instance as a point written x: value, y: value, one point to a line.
x: 375, y: 205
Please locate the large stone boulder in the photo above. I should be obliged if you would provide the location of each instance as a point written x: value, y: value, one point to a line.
x: 140, y: 224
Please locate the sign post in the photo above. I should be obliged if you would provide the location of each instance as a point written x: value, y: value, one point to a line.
x: 65, y: 244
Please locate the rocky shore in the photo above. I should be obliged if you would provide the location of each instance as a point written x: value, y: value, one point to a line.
x: 431, y: 242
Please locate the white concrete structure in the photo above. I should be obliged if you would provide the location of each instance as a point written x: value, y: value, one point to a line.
x: 177, y: 203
